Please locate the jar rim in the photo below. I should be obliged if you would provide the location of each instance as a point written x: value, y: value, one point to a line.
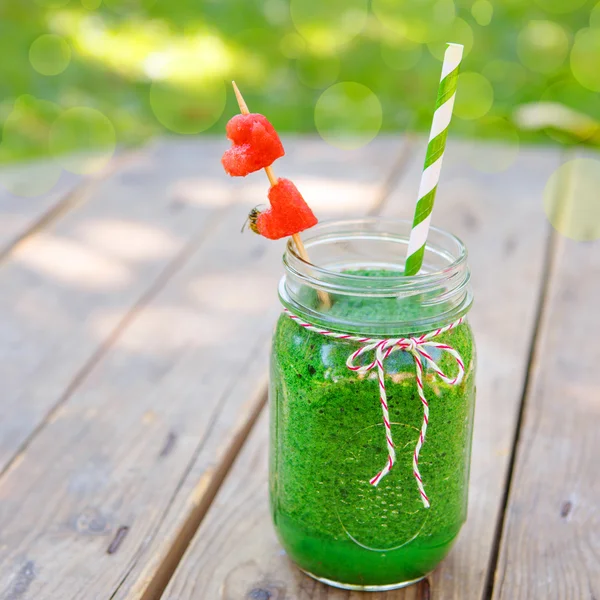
x: 372, y: 244
x: 323, y: 232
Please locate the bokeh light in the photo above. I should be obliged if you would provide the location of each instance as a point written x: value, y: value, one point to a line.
x: 276, y: 12
x: 543, y: 46
x: 348, y: 115
x: 157, y: 67
x: 482, y: 11
x: 570, y: 92
x: 460, y: 32
x: 507, y: 77
x: 25, y: 138
x: 401, y: 54
x: 49, y: 54
x: 420, y: 21
x: 253, y: 72
x: 317, y: 71
x: 560, y: 6
x: 82, y: 140
x: 327, y: 26
x: 30, y: 180
x: 188, y: 107
x: 292, y: 45
x: 26, y: 128
x: 474, y: 96
x: 508, y: 151
x: 571, y: 199
x: 585, y: 58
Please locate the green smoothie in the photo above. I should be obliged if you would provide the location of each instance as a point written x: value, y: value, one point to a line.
x: 328, y: 440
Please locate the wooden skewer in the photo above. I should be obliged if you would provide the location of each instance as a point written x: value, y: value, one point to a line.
x: 323, y: 296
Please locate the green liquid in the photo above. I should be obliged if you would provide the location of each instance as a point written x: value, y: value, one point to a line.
x: 328, y: 441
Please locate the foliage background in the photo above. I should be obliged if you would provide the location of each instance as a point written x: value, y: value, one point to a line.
x: 145, y: 67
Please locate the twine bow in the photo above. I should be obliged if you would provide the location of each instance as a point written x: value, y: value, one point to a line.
x: 383, y: 348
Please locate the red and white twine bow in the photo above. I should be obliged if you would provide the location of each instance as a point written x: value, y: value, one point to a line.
x: 383, y: 348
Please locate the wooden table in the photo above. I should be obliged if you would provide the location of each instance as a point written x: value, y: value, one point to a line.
x: 135, y: 324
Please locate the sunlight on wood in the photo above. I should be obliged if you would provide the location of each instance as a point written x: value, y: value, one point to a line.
x: 178, y: 328
x: 127, y: 240
x: 243, y: 292
x: 201, y: 191
x: 71, y: 262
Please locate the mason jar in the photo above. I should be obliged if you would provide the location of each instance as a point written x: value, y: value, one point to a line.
x: 372, y: 393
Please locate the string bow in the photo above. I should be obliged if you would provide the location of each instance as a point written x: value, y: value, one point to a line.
x: 383, y: 348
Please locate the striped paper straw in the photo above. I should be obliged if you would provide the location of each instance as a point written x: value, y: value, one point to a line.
x: 433, y: 158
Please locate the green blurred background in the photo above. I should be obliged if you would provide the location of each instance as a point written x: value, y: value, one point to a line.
x: 82, y: 74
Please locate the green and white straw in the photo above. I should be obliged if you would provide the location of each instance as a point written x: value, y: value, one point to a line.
x: 433, y: 158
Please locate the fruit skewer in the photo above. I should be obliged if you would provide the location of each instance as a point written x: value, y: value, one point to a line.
x: 323, y: 296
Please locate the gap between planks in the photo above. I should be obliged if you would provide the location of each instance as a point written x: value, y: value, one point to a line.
x: 140, y: 202
x: 70, y: 201
x: 569, y: 291
x: 165, y: 571
x: 170, y: 269
x: 531, y: 362
x: 549, y: 269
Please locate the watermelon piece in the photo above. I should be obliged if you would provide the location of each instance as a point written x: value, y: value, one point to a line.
x: 289, y: 213
x: 256, y: 145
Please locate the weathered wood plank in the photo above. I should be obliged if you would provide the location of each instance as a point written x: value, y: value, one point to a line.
x: 551, y: 538
x: 235, y: 554
x: 145, y: 439
x: 20, y: 213
x: 67, y: 289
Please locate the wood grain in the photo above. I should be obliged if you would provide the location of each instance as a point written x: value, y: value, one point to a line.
x: 19, y: 213
x: 551, y: 539
x: 67, y: 289
x: 132, y: 457
x: 23, y: 217
x: 235, y: 554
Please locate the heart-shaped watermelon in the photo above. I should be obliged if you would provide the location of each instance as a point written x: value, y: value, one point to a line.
x: 256, y: 145
x: 288, y: 214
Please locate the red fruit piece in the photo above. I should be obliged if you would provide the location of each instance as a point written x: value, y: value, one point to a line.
x: 256, y: 145
x: 289, y: 213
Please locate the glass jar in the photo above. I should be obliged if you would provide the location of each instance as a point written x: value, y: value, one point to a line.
x: 330, y: 438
